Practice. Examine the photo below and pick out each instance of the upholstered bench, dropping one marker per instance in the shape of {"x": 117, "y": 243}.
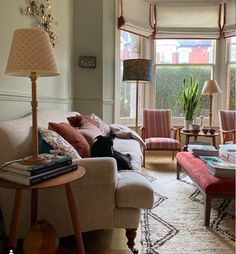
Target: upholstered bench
{"x": 209, "y": 185}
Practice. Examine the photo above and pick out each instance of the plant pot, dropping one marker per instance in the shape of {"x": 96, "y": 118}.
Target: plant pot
{"x": 187, "y": 124}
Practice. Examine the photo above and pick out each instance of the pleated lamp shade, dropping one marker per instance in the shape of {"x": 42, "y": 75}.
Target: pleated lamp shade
{"x": 31, "y": 52}
{"x": 210, "y": 87}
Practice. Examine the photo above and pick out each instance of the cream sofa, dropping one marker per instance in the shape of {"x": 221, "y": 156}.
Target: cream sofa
{"x": 105, "y": 198}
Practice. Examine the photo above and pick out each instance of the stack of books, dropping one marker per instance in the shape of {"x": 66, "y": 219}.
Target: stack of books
{"x": 219, "y": 167}
{"x": 228, "y": 151}
{"x": 28, "y": 175}
{"x": 201, "y": 150}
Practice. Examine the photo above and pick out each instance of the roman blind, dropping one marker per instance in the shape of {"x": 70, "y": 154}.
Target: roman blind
{"x": 185, "y": 19}
{"x": 230, "y": 19}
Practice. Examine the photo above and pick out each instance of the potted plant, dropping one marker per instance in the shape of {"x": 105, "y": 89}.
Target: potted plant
{"x": 189, "y": 101}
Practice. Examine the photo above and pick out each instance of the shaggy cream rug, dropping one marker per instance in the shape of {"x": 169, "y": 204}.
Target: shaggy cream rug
{"x": 175, "y": 224}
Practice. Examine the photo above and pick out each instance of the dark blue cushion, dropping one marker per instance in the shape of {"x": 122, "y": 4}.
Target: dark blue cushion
{"x": 44, "y": 147}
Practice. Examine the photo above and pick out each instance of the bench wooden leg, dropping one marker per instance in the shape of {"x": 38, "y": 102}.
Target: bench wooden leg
{"x": 207, "y": 210}
{"x": 131, "y": 234}
{"x": 178, "y": 169}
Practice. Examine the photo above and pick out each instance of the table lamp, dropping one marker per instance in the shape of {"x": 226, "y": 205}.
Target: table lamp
{"x": 31, "y": 55}
{"x": 137, "y": 70}
{"x": 210, "y": 88}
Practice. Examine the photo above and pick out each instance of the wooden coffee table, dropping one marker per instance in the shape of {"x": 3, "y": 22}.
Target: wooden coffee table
{"x": 188, "y": 135}
{"x": 65, "y": 180}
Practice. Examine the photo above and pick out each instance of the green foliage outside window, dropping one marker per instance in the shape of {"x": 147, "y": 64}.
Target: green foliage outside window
{"x": 169, "y": 87}
{"x": 232, "y": 87}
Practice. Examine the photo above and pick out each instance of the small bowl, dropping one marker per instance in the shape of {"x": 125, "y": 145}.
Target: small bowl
{"x": 212, "y": 131}
{"x": 205, "y": 130}
{"x": 195, "y": 131}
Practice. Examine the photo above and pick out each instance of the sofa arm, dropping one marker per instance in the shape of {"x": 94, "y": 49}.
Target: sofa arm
{"x": 99, "y": 171}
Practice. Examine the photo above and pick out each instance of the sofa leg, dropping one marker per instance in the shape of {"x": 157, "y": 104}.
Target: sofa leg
{"x": 131, "y": 234}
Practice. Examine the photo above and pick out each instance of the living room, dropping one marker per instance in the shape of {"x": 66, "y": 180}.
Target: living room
{"x": 89, "y": 28}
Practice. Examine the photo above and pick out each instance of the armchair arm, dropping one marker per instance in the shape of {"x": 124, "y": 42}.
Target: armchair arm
{"x": 176, "y": 131}
{"x": 99, "y": 171}
{"x": 143, "y": 133}
{"x": 226, "y": 134}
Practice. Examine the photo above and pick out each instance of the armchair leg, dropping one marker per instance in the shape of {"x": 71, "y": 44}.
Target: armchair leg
{"x": 143, "y": 157}
{"x": 131, "y": 234}
{"x": 173, "y": 155}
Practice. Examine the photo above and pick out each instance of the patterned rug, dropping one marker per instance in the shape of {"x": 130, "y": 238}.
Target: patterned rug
{"x": 175, "y": 224}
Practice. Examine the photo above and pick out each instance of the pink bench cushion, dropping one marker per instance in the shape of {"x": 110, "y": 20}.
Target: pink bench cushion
{"x": 197, "y": 170}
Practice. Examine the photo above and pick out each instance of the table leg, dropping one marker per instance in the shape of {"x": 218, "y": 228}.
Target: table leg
{"x": 214, "y": 141}
{"x": 74, "y": 217}
{"x": 186, "y": 143}
{"x": 207, "y": 210}
{"x": 34, "y": 206}
{"x": 15, "y": 220}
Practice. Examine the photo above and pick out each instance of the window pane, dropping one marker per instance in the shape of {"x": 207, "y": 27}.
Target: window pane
{"x": 130, "y": 47}
{"x": 232, "y": 86}
{"x": 233, "y": 50}
{"x": 169, "y": 86}
{"x": 184, "y": 51}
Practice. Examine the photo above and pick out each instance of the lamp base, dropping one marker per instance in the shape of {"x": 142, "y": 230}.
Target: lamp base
{"x": 31, "y": 160}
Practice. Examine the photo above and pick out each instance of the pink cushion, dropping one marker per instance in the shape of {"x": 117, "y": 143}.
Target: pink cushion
{"x": 89, "y": 131}
{"x": 197, "y": 169}
{"x": 73, "y": 136}
{"x": 162, "y": 143}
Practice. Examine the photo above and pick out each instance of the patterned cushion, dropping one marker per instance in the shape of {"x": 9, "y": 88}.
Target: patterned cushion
{"x": 73, "y": 136}
{"x": 59, "y": 143}
{"x": 162, "y": 143}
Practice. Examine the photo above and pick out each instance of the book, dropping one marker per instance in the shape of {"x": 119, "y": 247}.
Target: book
{"x": 30, "y": 180}
{"x": 198, "y": 150}
{"x": 31, "y": 170}
{"x": 219, "y": 167}
{"x": 222, "y": 169}
{"x": 228, "y": 147}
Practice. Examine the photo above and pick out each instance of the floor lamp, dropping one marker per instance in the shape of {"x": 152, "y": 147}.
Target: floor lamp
{"x": 137, "y": 70}
{"x": 31, "y": 55}
{"x": 210, "y": 88}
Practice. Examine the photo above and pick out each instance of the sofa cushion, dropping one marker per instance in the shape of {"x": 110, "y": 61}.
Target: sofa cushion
{"x": 73, "y": 136}
{"x": 104, "y": 128}
{"x": 58, "y": 143}
{"x": 77, "y": 120}
{"x": 133, "y": 190}
{"x": 122, "y": 131}
{"x": 131, "y": 147}
{"x": 89, "y": 131}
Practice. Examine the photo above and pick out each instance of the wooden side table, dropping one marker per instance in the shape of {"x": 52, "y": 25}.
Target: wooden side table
{"x": 65, "y": 180}
{"x": 188, "y": 135}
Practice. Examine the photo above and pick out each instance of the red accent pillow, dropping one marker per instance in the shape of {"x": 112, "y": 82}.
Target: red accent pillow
{"x": 78, "y": 120}
{"x": 73, "y": 136}
{"x": 89, "y": 130}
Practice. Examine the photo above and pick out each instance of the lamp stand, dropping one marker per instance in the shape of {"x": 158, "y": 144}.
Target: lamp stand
{"x": 210, "y": 113}
{"x": 35, "y": 158}
{"x": 137, "y": 102}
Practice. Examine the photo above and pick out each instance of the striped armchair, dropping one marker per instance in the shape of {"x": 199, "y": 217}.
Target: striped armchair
{"x": 227, "y": 120}
{"x": 157, "y": 131}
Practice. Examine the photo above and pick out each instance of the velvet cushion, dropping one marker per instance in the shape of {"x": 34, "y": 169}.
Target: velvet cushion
{"x": 58, "y": 143}
{"x": 89, "y": 130}
{"x": 77, "y": 120}
{"x": 44, "y": 147}
{"x": 73, "y": 136}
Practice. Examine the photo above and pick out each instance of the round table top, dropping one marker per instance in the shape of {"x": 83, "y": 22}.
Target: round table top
{"x": 51, "y": 183}
{"x": 199, "y": 134}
